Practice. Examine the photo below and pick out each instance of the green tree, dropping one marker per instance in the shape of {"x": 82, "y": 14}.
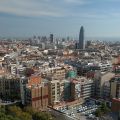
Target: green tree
{"x": 25, "y": 116}
{"x": 4, "y": 116}
{"x": 103, "y": 110}
{"x": 29, "y": 110}
{"x": 17, "y": 111}
{"x": 42, "y": 116}
{"x": 9, "y": 117}
{"x": 98, "y": 112}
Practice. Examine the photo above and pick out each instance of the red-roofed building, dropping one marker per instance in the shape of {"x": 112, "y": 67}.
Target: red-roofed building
{"x": 116, "y": 106}
{"x": 34, "y": 80}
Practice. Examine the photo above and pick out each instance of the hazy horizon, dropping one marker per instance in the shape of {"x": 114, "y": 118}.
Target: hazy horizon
{"x": 109, "y": 39}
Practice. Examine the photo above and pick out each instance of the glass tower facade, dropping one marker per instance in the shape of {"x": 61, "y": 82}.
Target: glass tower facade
{"x": 81, "y": 38}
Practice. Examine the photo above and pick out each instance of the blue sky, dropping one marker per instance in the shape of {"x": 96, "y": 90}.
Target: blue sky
{"x": 23, "y": 18}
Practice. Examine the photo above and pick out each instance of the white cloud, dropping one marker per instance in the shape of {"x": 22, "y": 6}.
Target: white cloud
{"x": 30, "y": 8}
{"x": 76, "y": 1}
{"x": 115, "y": 14}
{"x": 36, "y": 8}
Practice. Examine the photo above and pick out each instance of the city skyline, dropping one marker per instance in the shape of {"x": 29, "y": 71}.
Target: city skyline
{"x": 62, "y": 18}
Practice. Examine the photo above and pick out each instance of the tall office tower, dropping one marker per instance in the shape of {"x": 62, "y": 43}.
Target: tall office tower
{"x": 51, "y": 38}
{"x": 81, "y": 38}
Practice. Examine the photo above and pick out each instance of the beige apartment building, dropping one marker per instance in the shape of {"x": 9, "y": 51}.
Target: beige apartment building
{"x": 56, "y": 89}
{"x": 115, "y": 87}
{"x": 100, "y": 81}
{"x": 56, "y": 73}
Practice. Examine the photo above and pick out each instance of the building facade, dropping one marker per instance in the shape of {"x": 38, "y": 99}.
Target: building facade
{"x": 34, "y": 92}
{"x": 81, "y": 38}
{"x": 115, "y": 87}
{"x": 56, "y": 91}
{"x": 116, "y": 107}
{"x": 37, "y": 97}
{"x": 9, "y": 87}
{"x": 55, "y": 73}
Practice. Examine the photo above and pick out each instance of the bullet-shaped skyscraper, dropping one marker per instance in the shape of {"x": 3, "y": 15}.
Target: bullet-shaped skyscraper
{"x": 51, "y": 38}
{"x": 81, "y": 38}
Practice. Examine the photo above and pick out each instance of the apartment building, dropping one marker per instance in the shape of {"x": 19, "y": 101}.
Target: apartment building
{"x": 69, "y": 91}
{"x": 105, "y": 66}
{"x": 115, "y": 87}
{"x": 100, "y": 81}
{"x": 116, "y": 107}
{"x": 87, "y": 90}
{"x": 61, "y": 91}
{"x": 37, "y": 96}
{"x": 106, "y": 90}
{"x": 17, "y": 69}
{"x": 83, "y": 88}
{"x": 55, "y": 73}
{"x": 86, "y": 87}
{"x": 9, "y": 87}
{"x": 34, "y": 92}
{"x": 56, "y": 91}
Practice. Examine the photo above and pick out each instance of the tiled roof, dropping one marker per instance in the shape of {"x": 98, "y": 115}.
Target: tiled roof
{"x": 34, "y": 80}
